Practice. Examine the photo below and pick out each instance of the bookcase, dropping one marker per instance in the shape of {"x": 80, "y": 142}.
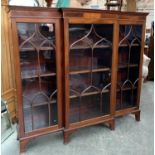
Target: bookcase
{"x": 75, "y": 68}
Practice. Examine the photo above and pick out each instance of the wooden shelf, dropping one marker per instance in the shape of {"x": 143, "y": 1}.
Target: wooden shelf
{"x": 120, "y": 66}
{"x": 34, "y": 49}
{"x": 39, "y": 75}
{"x": 29, "y": 77}
{"x": 89, "y": 71}
{"x": 88, "y": 47}
{"x": 90, "y": 93}
{"x": 126, "y": 89}
{"x": 27, "y": 106}
{"x": 97, "y": 92}
{"x": 47, "y": 74}
{"x": 126, "y": 45}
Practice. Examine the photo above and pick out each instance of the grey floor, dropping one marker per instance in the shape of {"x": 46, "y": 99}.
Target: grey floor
{"x": 129, "y": 137}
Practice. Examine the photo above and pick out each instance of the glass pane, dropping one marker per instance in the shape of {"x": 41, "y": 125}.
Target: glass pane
{"x": 102, "y": 59}
{"x": 128, "y": 65}
{"x": 123, "y": 56}
{"x": 47, "y": 62}
{"x": 105, "y": 103}
{"x": 135, "y": 55}
{"x": 38, "y": 72}
{"x": 74, "y": 114}
{"x": 90, "y": 107}
{"x": 29, "y": 64}
{"x": 80, "y": 60}
{"x": 36, "y": 118}
{"x": 101, "y": 79}
{"x": 80, "y": 82}
{"x": 90, "y": 59}
{"x": 30, "y": 87}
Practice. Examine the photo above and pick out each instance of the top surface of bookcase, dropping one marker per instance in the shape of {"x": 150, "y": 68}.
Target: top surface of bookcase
{"x": 104, "y": 11}
{"x": 19, "y": 11}
{"x": 34, "y": 12}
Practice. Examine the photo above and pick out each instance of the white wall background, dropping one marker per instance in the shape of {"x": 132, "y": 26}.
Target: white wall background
{"x": 146, "y": 6}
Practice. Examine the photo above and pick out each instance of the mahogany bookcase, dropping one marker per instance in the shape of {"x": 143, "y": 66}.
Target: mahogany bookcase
{"x": 75, "y": 68}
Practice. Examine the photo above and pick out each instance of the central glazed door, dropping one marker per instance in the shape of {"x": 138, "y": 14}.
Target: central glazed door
{"x": 88, "y": 72}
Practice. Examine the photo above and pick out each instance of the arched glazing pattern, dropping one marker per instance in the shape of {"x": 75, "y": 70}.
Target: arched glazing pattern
{"x": 38, "y": 74}
{"x": 128, "y": 65}
{"x": 90, "y": 70}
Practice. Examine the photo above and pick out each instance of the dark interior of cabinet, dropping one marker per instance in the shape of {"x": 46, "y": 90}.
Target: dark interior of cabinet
{"x": 39, "y": 103}
{"x": 128, "y": 66}
{"x": 32, "y": 86}
{"x": 99, "y": 80}
{"x": 90, "y": 59}
{"x": 40, "y": 116}
{"x": 87, "y": 107}
{"x": 84, "y": 59}
{"x": 32, "y": 67}
{"x": 38, "y": 74}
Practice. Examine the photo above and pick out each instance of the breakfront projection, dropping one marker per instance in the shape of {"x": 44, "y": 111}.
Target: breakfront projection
{"x": 90, "y": 58}
{"x": 75, "y": 68}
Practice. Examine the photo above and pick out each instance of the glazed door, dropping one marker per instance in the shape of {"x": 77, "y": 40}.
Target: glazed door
{"x": 39, "y": 70}
{"x": 129, "y": 66}
{"x": 89, "y": 73}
